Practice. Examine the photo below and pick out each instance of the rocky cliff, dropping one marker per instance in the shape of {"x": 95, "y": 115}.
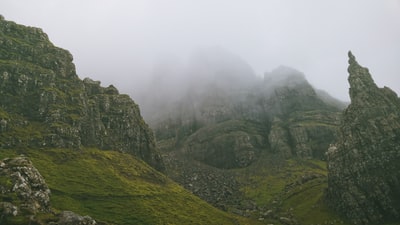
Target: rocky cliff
{"x": 364, "y": 177}
{"x": 43, "y": 103}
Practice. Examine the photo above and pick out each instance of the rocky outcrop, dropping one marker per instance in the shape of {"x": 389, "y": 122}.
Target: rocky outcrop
{"x": 363, "y": 166}
{"x": 24, "y": 193}
{"x": 43, "y": 103}
{"x": 22, "y": 182}
{"x": 70, "y": 218}
{"x": 303, "y": 134}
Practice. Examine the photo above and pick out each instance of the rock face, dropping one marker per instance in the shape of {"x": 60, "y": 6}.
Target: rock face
{"x": 364, "y": 164}
{"x": 43, "y": 103}
{"x": 24, "y": 193}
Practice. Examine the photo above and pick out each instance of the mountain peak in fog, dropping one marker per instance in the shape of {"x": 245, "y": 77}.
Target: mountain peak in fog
{"x": 220, "y": 67}
{"x": 284, "y": 76}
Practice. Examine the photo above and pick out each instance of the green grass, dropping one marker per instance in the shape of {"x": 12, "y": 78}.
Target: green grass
{"x": 277, "y": 184}
{"x": 265, "y": 179}
{"x": 117, "y": 188}
{"x": 307, "y": 203}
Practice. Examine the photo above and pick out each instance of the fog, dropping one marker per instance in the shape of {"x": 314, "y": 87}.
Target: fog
{"x": 127, "y": 43}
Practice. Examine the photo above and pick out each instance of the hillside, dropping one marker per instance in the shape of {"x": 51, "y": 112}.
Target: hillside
{"x": 90, "y": 144}
{"x": 116, "y": 188}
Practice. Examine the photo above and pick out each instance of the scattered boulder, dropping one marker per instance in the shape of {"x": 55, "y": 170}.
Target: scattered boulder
{"x": 70, "y": 218}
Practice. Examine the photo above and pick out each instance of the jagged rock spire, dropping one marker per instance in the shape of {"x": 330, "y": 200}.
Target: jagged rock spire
{"x": 360, "y": 80}
{"x": 352, "y": 58}
{"x": 363, "y": 165}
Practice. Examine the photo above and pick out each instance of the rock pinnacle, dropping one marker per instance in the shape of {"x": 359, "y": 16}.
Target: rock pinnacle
{"x": 363, "y": 165}
{"x": 360, "y": 80}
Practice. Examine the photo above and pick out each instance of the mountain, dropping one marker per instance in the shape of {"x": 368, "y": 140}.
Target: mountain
{"x": 247, "y": 145}
{"x": 363, "y": 165}
{"x": 43, "y": 103}
{"x": 244, "y": 150}
{"x": 229, "y": 128}
{"x": 70, "y": 144}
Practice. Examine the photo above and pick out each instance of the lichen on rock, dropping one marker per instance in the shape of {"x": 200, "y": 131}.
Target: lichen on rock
{"x": 22, "y": 183}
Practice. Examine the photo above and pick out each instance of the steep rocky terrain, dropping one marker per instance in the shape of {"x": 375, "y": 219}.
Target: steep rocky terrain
{"x": 43, "y": 103}
{"x": 364, "y": 163}
{"x": 214, "y": 135}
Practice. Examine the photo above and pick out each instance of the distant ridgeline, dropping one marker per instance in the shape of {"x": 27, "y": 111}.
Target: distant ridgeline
{"x": 43, "y": 103}
{"x": 364, "y": 164}
{"x": 227, "y": 123}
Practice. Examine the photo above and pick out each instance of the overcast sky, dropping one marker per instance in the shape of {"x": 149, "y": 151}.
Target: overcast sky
{"x": 118, "y": 41}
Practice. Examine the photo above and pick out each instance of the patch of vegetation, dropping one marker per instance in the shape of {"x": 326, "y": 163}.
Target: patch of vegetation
{"x": 117, "y": 188}
{"x": 290, "y": 188}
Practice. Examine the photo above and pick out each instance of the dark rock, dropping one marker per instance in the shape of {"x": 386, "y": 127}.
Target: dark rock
{"x": 363, "y": 166}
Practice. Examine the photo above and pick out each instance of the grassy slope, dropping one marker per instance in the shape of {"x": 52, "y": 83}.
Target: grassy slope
{"x": 116, "y": 188}
{"x": 276, "y": 184}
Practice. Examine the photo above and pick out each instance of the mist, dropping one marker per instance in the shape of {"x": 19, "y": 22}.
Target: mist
{"x": 132, "y": 43}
